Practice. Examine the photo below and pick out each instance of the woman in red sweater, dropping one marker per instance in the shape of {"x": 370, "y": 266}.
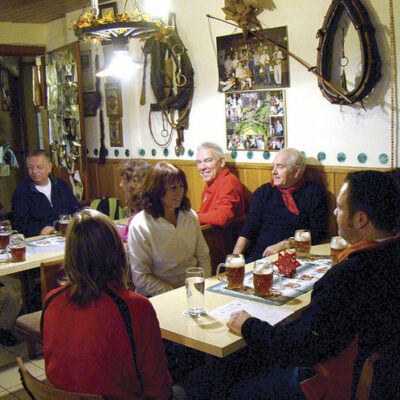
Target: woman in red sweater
{"x": 98, "y": 336}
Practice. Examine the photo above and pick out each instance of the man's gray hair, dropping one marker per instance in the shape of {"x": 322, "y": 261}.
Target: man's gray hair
{"x": 296, "y": 158}
{"x": 218, "y": 152}
{"x": 39, "y": 152}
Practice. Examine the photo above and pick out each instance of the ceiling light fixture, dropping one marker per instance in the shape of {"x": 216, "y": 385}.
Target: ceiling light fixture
{"x": 116, "y": 30}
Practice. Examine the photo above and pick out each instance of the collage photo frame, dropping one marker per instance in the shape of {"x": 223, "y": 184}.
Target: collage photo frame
{"x": 256, "y": 120}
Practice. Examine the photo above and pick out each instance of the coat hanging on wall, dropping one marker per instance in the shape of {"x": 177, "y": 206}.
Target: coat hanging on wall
{"x": 331, "y": 52}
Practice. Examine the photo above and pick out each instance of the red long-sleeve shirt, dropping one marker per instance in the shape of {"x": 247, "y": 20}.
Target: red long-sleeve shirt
{"x": 222, "y": 200}
{"x": 88, "y": 349}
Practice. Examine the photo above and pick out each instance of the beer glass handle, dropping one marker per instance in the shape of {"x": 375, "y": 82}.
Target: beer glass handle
{"x": 276, "y": 272}
{"x": 222, "y": 265}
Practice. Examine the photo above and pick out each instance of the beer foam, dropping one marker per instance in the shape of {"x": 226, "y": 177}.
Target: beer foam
{"x": 235, "y": 263}
{"x": 263, "y": 267}
{"x": 302, "y": 236}
{"x": 338, "y": 243}
{"x": 265, "y": 270}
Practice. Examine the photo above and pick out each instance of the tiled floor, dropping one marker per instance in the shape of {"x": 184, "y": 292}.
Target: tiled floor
{"x": 10, "y": 382}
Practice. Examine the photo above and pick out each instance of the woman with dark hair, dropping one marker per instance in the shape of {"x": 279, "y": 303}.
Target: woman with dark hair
{"x": 99, "y": 337}
{"x": 165, "y": 238}
{"x": 132, "y": 175}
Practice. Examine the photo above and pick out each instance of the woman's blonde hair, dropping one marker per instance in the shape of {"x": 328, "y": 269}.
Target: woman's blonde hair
{"x": 94, "y": 256}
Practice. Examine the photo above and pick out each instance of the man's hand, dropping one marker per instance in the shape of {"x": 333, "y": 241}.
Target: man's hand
{"x": 47, "y": 230}
{"x": 274, "y": 248}
{"x": 237, "y": 319}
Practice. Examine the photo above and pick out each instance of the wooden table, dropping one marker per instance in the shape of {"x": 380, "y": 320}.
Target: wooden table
{"x": 206, "y": 333}
{"x": 32, "y": 261}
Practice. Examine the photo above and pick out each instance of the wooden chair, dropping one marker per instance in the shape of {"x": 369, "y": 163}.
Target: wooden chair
{"x": 39, "y": 390}
{"x": 389, "y": 358}
{"x": 51, "y": 276}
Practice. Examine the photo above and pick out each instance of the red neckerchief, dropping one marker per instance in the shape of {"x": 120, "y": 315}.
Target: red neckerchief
{"x": 287, "y": 196}
{"x": 365, "y": 244}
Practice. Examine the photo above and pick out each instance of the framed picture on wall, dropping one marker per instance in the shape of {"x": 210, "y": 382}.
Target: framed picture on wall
{"x": 87, "y": 75}
{"x": 256, "y": 120}
{"x": 108, "y": 10}
{"x": 90, "y": 103}
{"x": 115, "y": 127}
{"x": 253, "y": 64}
{"x": 113, "y": 99}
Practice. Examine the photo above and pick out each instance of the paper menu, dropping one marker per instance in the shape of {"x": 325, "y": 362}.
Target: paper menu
{"x": 265, "y": 313}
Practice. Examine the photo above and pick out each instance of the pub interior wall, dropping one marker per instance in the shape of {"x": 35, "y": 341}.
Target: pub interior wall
{"x": 313, "y": 124}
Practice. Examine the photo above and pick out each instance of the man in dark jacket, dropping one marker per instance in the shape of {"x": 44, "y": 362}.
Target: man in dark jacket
{"x": 281, "y": 206}
{"x": 39, "y": 201}
{"x": 354, "y": 311}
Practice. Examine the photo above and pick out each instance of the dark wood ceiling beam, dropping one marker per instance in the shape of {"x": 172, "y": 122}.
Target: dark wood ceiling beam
{"x": 8, "y": 50}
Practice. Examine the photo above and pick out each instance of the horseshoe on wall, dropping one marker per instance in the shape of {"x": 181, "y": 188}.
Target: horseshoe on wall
{"x": 371, "y": 62}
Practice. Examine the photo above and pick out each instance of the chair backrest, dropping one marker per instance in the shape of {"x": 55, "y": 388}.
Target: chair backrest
{"x": 52, "y": 275}
{"x": 380, "y": 374}
{"x": 39, "y": 390}
{"x": 109, "y": 206}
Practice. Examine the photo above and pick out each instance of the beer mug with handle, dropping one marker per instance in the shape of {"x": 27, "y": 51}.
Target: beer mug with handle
{"x": 338, "y": 244}
{"x": 302, "y": 243}
{"x": 17, "y": 249}
{"x": 234, "y": 266}
{"x": 263, "y": 277}
{"x": 62, "y": 222}
{"x": 5, "y": 233}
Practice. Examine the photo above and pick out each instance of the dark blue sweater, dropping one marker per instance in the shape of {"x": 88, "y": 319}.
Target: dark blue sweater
{"x": 32, "y": 211}
{"x": 268, "y": 220}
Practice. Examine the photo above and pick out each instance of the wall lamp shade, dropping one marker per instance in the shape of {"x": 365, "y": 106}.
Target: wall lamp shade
{"x": 121, "y": 66}
{"x": 118, "y": 34}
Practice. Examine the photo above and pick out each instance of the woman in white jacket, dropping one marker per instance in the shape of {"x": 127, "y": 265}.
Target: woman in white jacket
{"x": 165, "y": 238}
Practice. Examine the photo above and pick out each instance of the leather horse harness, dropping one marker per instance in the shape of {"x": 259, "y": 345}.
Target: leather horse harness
{"x": 171, "y": 77}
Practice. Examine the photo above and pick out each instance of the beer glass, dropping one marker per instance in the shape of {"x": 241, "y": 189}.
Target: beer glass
{"x": 338, "y": 244}
{"x": 17, "y": 249}
{"x": 263, "y": 277}
{"x": 5, "y": 233}
{"x": 194, "y": 283}
{"x": 62, "y": 222}
{"x": 302, "y": 242}
{"x": 234, "y": 267}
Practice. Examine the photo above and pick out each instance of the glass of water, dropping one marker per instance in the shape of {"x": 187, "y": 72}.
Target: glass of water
{"x": 194, "y": 283}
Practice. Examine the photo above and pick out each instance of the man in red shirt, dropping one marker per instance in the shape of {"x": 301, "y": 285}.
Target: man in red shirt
{"x": 223, "y": 196}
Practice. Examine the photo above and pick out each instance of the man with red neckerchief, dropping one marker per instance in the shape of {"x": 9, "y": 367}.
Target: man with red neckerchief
{"x": 280, "y": 207}
{"x": 354, "y": 311}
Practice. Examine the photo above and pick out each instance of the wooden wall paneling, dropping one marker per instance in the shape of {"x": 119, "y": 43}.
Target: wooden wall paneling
{"x": 339, "y": 180}
{"x": 92, "y": 191}
{"x": 198, "y": 186}
{"x": 104, "y": 180}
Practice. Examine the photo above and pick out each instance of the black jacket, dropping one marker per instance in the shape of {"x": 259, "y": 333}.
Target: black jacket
{"x": 359, "y": 295}
{"x": 32, "y": 211}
